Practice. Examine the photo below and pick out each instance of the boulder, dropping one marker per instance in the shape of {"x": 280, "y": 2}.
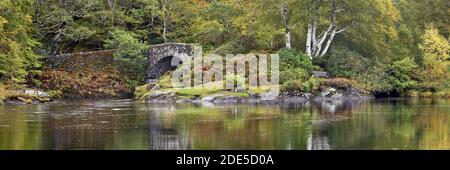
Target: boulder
{"x": 161, "y": 97}
{"x": 209, "y": 98}
{"x": 337, "y": 95}
{"x": 184, "y": 101}
{"x": 328, "y": 92}
{"x": 269, "y": 96}
{"x": 352, "y": 92}
{"x": 293, "y": 99}
{"x": 307, "y": 95}
{"x": 229, "y": 99}
{"x": 33, "y": 92}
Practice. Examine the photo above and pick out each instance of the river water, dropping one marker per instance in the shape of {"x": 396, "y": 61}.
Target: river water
{"x": 125, "y": 124}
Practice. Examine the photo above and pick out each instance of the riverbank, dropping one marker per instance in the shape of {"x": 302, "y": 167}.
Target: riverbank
{"x": 158, "y": 94}
{"x": 14, "y": 95}
{"x": 242, "y": 98}
{"x": 34, "y": 96}
{"x": 161, "y": 92}
{"x": 224, "y": 97}
{"x": 326, "y": 89}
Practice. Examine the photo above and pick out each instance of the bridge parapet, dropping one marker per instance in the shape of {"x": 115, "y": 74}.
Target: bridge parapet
{"x": 157, "y": 52}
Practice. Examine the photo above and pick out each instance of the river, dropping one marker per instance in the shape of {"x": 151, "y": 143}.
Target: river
{"x": 125, "y": 124}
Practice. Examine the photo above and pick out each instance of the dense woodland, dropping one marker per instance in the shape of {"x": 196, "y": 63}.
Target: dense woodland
{"x": 382, "y": 46}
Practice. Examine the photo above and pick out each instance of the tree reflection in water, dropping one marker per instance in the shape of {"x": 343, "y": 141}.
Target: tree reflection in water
{"x": 163, "y": 138}
{"x": 315, "y": 125}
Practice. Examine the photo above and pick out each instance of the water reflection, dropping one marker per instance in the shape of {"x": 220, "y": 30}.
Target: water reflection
{"x": 316, "y": 125}
{"x": 165, "y": 138}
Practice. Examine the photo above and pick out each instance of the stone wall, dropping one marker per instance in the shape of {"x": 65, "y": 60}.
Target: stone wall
{"x": 73, "y": 62}
{"x": 84, "y": 75}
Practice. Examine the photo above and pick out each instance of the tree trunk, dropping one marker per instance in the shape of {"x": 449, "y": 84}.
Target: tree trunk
{"x": 164, "y": 30}
{"x": 328, "y": 43}
{"x": 308, "y": 41}
{"x": 285, "y": 18}
{"x": 313, "y": 43}
{"x": 288, "y": 40}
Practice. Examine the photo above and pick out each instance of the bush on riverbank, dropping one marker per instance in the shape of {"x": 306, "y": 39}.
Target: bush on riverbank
{"x": 340, "y": 83}
{"x": 84, "y": 75}
{"x": 427, "y": 94}
{"x": 85, "y": 84}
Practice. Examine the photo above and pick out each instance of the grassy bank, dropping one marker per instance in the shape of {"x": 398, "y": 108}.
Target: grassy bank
{"x": 164, "y": 85}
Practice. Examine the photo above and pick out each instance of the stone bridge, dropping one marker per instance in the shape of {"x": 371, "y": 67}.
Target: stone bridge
{"x": 160, "y": 58}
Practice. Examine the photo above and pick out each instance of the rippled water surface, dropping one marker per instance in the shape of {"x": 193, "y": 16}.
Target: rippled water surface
{"x": 124, "y": 124}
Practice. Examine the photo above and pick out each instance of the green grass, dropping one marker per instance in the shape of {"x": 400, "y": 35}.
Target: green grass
{"x": 260, "y": 89}
{"x": 141, "y": 92}
{"x": 166, "y": 81}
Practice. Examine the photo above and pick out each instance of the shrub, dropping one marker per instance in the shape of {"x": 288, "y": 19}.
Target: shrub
{"x": 85, "y": 84}
{"x": 426, "y": 94}
{"x": 343, "y": 62}
{"x": 295, "y": 68}
{"x": 400, "y": 75}
{"x": 410, "y": 93}
{"x": 292, "y": 86}
{"x": 341, "y": 83}
{"x": 313, "y": 84}
{"x": 294, "y": 74}
{"x": 374, "y": 78}
{"x": 388, "y": 77}
{"x": 299, "y": 82}
{"x": 3, "y": 92}
{"x": 440, "y": 94}
{"x": 310, "y": 85}
{"x": 291, "y": 58}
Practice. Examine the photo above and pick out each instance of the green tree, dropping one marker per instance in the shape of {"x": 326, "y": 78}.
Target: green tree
{"x": 128, "y": 55}
{"x": 17, "y": 58}
{"x": 434, "y": 71}
{"x": 400, "y": 75}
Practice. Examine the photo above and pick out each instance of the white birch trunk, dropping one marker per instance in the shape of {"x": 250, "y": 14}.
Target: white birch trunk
{"x": 308, "y": 41}
{"x": 164, "y": 30}
{"x": 328, "y": 43}
{"x": 313, "y": 43}
{"x": 285, "y": 18}
{"x": 288, "y": 40}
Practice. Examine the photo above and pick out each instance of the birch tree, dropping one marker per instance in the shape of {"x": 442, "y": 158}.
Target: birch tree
{"x": 166, "y": 9}
{"x": 284, "y": 16}
{"x": 317, "y": 45}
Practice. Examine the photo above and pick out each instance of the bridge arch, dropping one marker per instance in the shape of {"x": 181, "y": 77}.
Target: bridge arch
{"x": 160, "y": 57}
